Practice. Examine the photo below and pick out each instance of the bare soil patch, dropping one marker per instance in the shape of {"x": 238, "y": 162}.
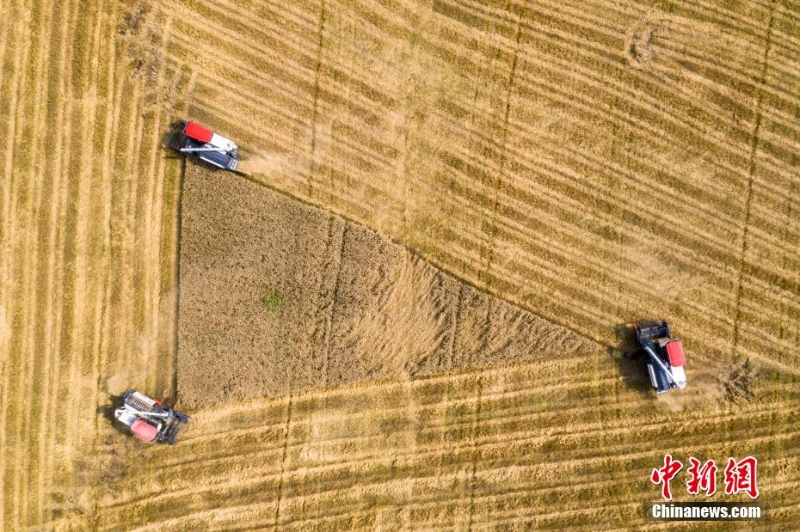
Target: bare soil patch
{"x": 278, "y": 296}
{"x": 739, "y": 382}
{"x": 642, "y": 46}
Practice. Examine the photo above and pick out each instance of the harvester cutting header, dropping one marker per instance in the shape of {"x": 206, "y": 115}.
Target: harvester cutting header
{"x": 666, "y": 358}
{"x": 200, "y": 142}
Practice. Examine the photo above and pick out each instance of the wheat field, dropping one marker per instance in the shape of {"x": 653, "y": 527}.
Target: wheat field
{"x": 591, "y": 163}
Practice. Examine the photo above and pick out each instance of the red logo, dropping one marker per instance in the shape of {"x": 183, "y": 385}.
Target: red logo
{"x": 665, "y": 474}
{"x": 740, "y": 476}
{"x": 702, "y": 478}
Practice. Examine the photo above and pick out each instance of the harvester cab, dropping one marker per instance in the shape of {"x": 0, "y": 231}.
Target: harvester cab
{"x": 666, "y": 359}
{"x": 200, "y": 142}
{"x": 148, "y": 419}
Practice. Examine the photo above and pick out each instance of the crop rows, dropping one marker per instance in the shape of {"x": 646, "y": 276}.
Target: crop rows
{"x": 85, "y": 192}
{"x": 551, "y": 443}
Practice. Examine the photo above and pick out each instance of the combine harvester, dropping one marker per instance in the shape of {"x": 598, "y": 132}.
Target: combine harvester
{"x": 148, "y": 419}
{"x": 666, "y": 357}
{"x": 204, "y": 144}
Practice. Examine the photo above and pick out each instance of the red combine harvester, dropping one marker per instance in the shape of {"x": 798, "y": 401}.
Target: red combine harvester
{"x": 148, "y": 419}
{"x": 666, "y": 359}
{"x": 202, "y": 143}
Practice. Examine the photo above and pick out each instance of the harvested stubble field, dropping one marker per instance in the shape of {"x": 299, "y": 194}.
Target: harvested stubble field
{"x": 588, "y": 162}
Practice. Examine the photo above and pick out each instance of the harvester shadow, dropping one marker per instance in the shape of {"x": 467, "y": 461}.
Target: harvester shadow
{"x": 171, "y": 139}
{"x": 630, "y": 359}
{"x": 107, "y": 411}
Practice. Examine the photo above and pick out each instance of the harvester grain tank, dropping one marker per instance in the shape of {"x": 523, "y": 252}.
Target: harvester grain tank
{"x": 200, "y": 142}
{"x": 148, "y": 419}
{"x": 666, "y": 359}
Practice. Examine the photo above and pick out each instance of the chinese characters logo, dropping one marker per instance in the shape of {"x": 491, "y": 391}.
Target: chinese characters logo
{"x": 738, "y": 476}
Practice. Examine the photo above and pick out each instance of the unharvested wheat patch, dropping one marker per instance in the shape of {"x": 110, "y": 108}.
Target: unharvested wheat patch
{"x": 376, "y": 312}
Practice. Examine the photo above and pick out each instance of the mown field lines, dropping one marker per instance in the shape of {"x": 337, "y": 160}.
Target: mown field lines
{"x": 61, "y": 205}
{"x": 530, "y": 169}
{"x": 546, "y": 437}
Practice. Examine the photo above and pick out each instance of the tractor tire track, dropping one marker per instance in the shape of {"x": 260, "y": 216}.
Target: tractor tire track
{"x": 491, "y": 228}
{"x": 29, "y": 194}
{"x": 48, "y": 351}
{"x": 317, "y": 68}
{"x": 11, "y": 362}
{"x": 284, "y": 453}
{"x": 751, "y": 177}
